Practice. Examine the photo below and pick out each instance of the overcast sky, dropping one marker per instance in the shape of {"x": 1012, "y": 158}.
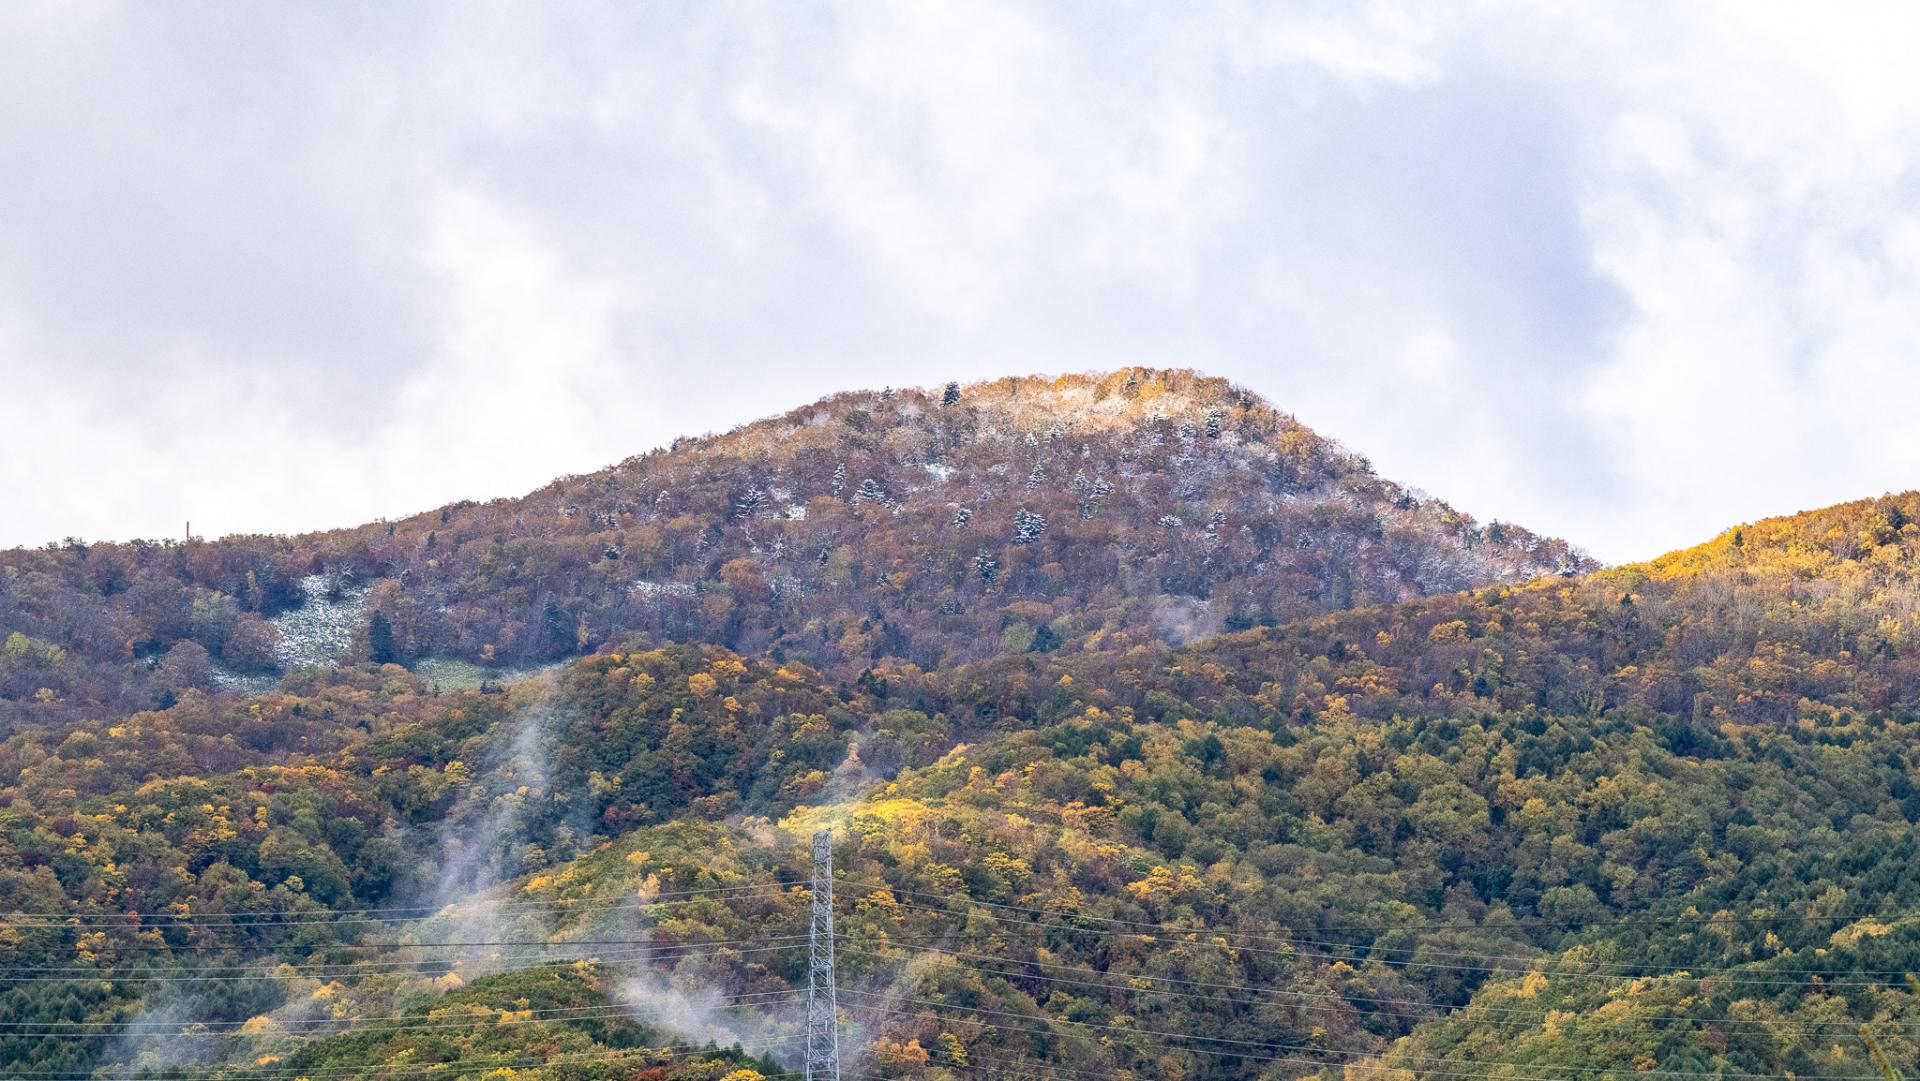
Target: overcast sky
{"x": 1627, "y": 274}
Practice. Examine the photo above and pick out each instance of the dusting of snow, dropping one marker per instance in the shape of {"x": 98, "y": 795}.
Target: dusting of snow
{"x": 225, "y": 678}
{"x": 455, "y": 674}
{"x": 319, "y": 631}
{"x": 651, "y": 589}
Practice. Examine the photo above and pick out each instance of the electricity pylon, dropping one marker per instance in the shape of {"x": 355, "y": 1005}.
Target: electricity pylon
{"x": 1879, "y": 1056}
{"x": 823, "y": 1017}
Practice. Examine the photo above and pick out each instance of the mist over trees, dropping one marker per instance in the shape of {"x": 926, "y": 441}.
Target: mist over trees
{"x": 1197, "y": 753}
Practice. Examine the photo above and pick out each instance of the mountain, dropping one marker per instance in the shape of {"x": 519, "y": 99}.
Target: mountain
{"x": 1767, "y": 623}
{"x": 939, "y": 528}
{"x": 1657, "y": 819}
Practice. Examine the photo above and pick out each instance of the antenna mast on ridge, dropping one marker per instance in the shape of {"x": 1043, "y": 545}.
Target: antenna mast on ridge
{"x": 823, "y": 1014}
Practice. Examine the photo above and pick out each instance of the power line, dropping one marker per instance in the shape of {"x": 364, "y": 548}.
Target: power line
{"x": 1530, "y": 1018}
{"x": 289, "y": 1073}
{"x": 230, "y": 947}
{"x": 425, "y": 968}
{"x": 1437, "y": 925}
{"x": 160, "y": 920}
{"x": 1185, "y": 936}
{"x": 634, "y": 952}
{"x": 695, "y": 949}
{"x": 1259, "y": 1045}
{"x": 1112, "y": 927}
{"x": 1304, "y": 1060}
{"x": 384, "y": 1024}
{"x": 769, "y": 997}
{"x": 976, "y": 1061}
{"x": 400, "y": 913}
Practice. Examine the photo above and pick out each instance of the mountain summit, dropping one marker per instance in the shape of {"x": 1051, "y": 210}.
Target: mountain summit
{"x": 933, "y": 526}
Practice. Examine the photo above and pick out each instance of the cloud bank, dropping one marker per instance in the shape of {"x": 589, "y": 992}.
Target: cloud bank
{"x": 1628, "y": 276}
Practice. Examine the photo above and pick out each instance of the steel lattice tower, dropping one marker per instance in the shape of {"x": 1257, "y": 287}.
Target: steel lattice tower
{"x": 823, "y": 1013}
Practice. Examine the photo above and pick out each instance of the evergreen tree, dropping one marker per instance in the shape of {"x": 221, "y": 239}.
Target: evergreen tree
{"x": 380, "y": 648}
{"x": 987, "y": 566}
{"x": 1027, "y": 526}
{"x": 750, "y": 504}
{"x": 558, "y": 627}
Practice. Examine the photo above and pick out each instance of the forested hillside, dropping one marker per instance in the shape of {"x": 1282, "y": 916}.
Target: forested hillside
{"x": 936, "y": 527}
{"x": 1658, "y": 819}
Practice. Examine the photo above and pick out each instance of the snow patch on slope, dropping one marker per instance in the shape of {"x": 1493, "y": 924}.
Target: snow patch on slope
{"x": 320, "y": 630}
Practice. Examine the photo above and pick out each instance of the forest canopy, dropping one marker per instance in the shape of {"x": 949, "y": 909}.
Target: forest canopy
{"x": 1448, "y": 802}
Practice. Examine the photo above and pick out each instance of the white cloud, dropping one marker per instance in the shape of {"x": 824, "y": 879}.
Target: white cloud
{"x": 1360, "y": 43}
{"x": 524, "y": 355}
{"x": 1756, "y": 206}
{"x": 1628, "y": 276}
